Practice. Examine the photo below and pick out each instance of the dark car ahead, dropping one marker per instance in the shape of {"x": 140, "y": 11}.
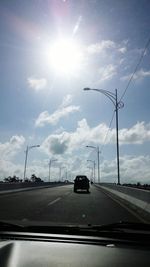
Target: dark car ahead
{"x": 81, "y": 182}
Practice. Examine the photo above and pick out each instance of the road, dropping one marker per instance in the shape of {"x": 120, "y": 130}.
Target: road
{"x": 62, "y": 205}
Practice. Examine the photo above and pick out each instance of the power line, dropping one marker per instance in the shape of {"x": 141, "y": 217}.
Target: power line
{"x": 135, "y": 70}
{"x": 108, "y": 131}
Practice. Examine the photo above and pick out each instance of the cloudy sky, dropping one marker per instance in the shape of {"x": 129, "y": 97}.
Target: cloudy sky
{"x": 49, "y": 51}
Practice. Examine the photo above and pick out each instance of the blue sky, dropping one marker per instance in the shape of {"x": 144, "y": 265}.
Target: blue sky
{"x": 42, "y": 101}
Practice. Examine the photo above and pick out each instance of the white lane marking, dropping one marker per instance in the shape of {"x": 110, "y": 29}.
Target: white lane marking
{"x": 54, "y": 201}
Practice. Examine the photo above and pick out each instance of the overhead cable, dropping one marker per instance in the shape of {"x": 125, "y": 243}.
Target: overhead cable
{"x": 136, "y": 68}
{"x": 108, "y": 131}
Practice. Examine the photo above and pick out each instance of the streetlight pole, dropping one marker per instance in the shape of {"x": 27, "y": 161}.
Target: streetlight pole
{"x": 98, "y": 161}
{"x": 49, "y": 170}
{"x": 91, "y": 168}
{"x": 26, "y": 158}
{"x": 93, "y": 161}
{"x": 59, "y": 173}
{"x": 66, "y": 174}
{"x": 117, "y": 138}
{"x": 50, "y": 163}
{"x": 118, "y": 104}
{"x": 25, "y": 164}
{"x": 60, "y": 168}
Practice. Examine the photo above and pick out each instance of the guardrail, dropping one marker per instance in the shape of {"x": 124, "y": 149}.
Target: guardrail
{"x": 137, "y": 199}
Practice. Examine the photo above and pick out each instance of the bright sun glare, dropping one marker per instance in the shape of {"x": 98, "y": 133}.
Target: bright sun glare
{"x": 65, "y": 56}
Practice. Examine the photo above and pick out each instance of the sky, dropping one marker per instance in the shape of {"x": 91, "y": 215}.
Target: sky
{"x": 49, "y": 51}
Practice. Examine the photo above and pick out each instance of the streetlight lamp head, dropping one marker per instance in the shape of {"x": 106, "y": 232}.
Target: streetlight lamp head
{"x": 86, "y": 89}
{"x": 92, "y": 147}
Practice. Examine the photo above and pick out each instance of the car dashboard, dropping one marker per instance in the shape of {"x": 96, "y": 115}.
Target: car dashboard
{"x": 19, "y": 249}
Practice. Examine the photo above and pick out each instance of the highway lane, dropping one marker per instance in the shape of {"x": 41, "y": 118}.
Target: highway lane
{"x": 62, "y": 205}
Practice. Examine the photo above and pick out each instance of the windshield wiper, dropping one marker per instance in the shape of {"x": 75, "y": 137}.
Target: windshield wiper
{"x": 118, "y": 227}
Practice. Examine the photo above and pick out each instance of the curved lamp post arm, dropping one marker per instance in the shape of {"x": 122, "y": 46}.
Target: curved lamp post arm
{"x": 118, "y": 104}
{"x": 109, "y": 94}
{"x": 26, "y": 157}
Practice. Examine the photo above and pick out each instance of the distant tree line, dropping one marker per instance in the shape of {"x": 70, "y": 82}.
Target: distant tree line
{"x": 35, "y": 179}
{"x": 12, "y": 179}
{"x": 15, "y": 179}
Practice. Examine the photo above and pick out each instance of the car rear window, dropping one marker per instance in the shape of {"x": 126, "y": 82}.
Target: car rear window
{"x": 79, "y": 178}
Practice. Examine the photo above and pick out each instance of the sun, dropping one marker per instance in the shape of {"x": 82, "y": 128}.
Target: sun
{"x": 65, "y": 56}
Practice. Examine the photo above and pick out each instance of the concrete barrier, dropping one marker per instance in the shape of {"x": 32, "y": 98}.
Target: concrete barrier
{"x": 136, "y": 199}
{"x": 17, "y": 187}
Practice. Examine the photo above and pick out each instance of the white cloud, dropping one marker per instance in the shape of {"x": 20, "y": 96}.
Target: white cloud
{"x": 133, "y": 169}
{"x": 139, "y": 75}
{"x": 66, "y": 142}
{"x": 106, "y": 73}
{"x": 56, "y": 143}
{"x": 123, "y": 50}
{"x": 63, "y": 144}
{"x": 69, "y": 141}
{"x": 104, "y": 45}
{"x": 101, "y": 46}
{"x": 37, "y": 84}
{"x": 11, "y": 147}
{"x": 137, "y": 134}
{"x": 84, "y": 134}
{"x": 109, "y": 55}
{"x": 67, "y": 100}
{"x": 64, "y": 110}
{"x": 8, "y": 168}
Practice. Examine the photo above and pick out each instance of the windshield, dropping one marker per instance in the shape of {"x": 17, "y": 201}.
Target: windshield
{"x": 75, "y": 79}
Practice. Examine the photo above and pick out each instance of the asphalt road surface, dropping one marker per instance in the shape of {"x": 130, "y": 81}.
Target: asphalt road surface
{"x": 62, "y": 205}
